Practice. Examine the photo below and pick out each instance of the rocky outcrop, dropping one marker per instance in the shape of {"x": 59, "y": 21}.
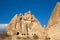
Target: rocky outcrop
{"x": 54, "y": 24}
{"x": 55, "y": 17}
{"x": 12, "y": 26}
{"x": 27, "y": 27}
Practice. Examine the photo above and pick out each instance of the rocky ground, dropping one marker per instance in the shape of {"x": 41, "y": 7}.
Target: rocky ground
{"x": 4, "y": 36}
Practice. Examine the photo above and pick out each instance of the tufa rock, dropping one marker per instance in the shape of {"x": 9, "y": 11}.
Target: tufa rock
{"x": 24, "y": 26}
{"x": 27, "y": 27}
{"x": 54, "y": 24}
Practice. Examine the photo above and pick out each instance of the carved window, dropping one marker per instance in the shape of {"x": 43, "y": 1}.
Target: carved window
{"x": 17, "y": 33}
{"x": 23, "y": 34}
{"x": 20, "y": 18}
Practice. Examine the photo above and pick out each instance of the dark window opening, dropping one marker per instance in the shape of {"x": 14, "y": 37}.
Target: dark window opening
{"x": 23, "y": 34}
{"x": 21, "y": 18}
{"x": 17, "y": 33}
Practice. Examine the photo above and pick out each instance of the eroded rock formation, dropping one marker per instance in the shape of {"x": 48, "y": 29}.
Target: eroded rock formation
{"x": 28, "y": 27}
{"x": 25, "y": 26}
{"x": 54, "y": 24}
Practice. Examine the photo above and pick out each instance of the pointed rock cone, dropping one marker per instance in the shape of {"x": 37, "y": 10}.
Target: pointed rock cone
{"x": 45, "y": 28}
{"x": 55, "y": 17}
{"x": 24, "y": 26}
{"x": 14, "y": 19}
{"x": 20, "y": 17}
{"x": 19, "y": 23}
{"x": 54, "y": 24}
{"x": 28, "y": 13}
{"x": 12, "y": 25}
{"x": 20, "y": 14}
{"x": 27, "y": 16}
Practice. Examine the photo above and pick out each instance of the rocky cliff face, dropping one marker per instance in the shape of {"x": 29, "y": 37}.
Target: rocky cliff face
{"x": 28, "y": 27}
{"x": 25, "y": 26}
{"x": 54, "y": 24}
{"x": 55, "y": 17}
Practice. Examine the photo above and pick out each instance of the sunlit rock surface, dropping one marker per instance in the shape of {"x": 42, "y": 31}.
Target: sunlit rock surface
{"x": 54, "y": 24}
{"x": 27, "y": 27}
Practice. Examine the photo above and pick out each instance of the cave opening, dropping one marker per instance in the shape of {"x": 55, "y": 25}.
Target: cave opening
{"x": 17, "y": 33}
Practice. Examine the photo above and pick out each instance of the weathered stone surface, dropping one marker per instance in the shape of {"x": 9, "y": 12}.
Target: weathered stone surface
{"x": 27, "y": 27}
{"x": 12, "y": 26}
{"x": 55, "y": 17}
{"x": 54, "y": 24}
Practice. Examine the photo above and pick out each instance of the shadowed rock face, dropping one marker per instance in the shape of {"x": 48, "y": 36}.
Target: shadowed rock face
{"x": 27, "y": 27}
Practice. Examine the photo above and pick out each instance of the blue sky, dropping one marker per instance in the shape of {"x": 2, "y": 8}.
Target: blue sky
{"x": 42, "y": 9}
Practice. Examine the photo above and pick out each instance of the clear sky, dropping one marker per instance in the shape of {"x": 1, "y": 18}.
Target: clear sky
{"x": 42, "y": 9}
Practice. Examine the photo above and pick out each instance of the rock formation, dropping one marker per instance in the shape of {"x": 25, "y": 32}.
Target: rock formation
{"x": 25, "y": 26}
{"x": 55, "y": 17}
{"x": 54, "y": 24}
{"x": 28, "y": 27}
